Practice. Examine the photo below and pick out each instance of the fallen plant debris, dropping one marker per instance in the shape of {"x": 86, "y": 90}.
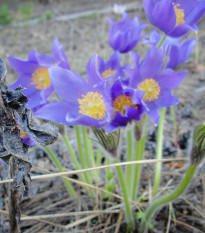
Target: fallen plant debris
{"x": 12, "y": 149}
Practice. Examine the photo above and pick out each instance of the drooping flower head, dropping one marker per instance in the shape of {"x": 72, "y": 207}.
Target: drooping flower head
{"x": 175, "y": 17}
{"x": 106, "y": 71}
{"x": 156, "y": 84}
{"x": 127, "y": 104}
{"x": 34, "y": 76}
{"x": 178, "y": 53}
{"x": 82, "y": 103}
{"x": 124, "y": 35}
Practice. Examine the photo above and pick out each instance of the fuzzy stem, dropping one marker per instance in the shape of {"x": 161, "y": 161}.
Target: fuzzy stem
{"x": 159, "y": 152}
{"x": 60, "y": 168}
{"x": 168, "y": 198}
{"x": 81, "y": 157}
{"x": 98, "y": 161}
{"x": 128, "y": 210}
{"x": 129, "y": 158}
{"x": 70, "y": 150}
{"x": 161, "y": 41}
{"x": 92, "y": 158}
{"x": 87, "y": 157}
{"x": 172, "y": 111}
{"x": 85, "y": 136}
{"x": 139, "y": 151}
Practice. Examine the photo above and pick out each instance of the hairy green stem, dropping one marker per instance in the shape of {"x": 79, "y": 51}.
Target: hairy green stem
{"x": 73, "y": 156}
{"x": 81, "y": 157}
{"x": 161, "y": 41}
{"x": 85, "y": 139}
{"x": 98, "y": 161}
{"x": 168, "y": 198}
{"x": 92, "y": 158}
{"x": 129, "y": 158}
{"x": 159, "y": 152}
{"x": 60, "y": 168}
{"x": 128, "y": 210}
{"x": 139, "y": 151}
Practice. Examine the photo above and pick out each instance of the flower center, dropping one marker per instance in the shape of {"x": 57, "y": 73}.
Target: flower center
{"x": 23, "y": 134}
{"x": 92, "y": 105}
{"x": 108, "y": 73}
{"x": 41, "y": 78}
{"x": 151, "y": 89}
{"x": 179, "y": 14}
{"x": 123, "y": 101}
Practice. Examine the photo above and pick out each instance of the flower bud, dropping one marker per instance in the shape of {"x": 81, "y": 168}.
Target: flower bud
{"x": 108, "y": 141}
{"x": 198, "y": 151}
{"x": 139, "y": 128}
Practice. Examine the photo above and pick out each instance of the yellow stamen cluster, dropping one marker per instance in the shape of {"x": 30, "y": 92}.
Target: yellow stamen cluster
{"x": 108, "y": 73}
{"x": 151, "y": 89}
{"x": 23, "y": 134}
{"x": 121, "y": 102}
{"x": 92, "y": 104}
{"x": 41, "y": 78}
{"x": 179, "y": 14}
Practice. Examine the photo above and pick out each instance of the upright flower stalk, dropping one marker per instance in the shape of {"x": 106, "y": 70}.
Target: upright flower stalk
{"x": 168, "y": 198}
{"x": 60, "y": 168}
{"x": 197, "y": 156}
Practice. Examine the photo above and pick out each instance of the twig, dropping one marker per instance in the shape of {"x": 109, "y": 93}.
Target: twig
{"x": 148, "y": 161}
{"x": 94, "y": 187}
{"x": 119, "y": 220}
{"x": 169, "y": 219}
{"x": 187, "y": 225}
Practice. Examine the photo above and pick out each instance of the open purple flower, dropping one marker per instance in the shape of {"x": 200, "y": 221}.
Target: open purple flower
{"x": 178, "y": 53}
{"x": 127, "y": 104}
{"x": 175, "y": 17}
{"x": 81, "y": 102}
{"x": 34, "y": 76}
{"x": 106, "y": 71}
{"x": 124, "y": 35}
{"x": 157, "y": 85}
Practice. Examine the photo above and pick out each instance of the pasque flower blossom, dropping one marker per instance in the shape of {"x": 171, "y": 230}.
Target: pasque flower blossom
{"x": 81, "y": 102}
{"x": 177, "y": 53}
{"x": 175, "y": 17}
{"x": 124, "y": 35}
{"x": 34, "y": 76}
{"x": 156, "y": 84}
{"x": 127, "y": 104}
{"x": 108, "y": 71}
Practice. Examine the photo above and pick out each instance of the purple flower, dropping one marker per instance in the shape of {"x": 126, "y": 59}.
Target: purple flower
{"x": 81, "y": 102}
{"x": 27, "y": 139}
{"x": 175, "y": 17}
{"x": 127, "y": 104}
{"x": 102, "y": 71}
{"x": 178, "y": 53}
{"x": 34, "y": 76}
{"x": 124, "y": 35}
{"x": 157, "y": 85}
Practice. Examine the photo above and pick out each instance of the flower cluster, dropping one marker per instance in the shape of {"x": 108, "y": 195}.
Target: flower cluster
{"x": 115, "y": 94}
